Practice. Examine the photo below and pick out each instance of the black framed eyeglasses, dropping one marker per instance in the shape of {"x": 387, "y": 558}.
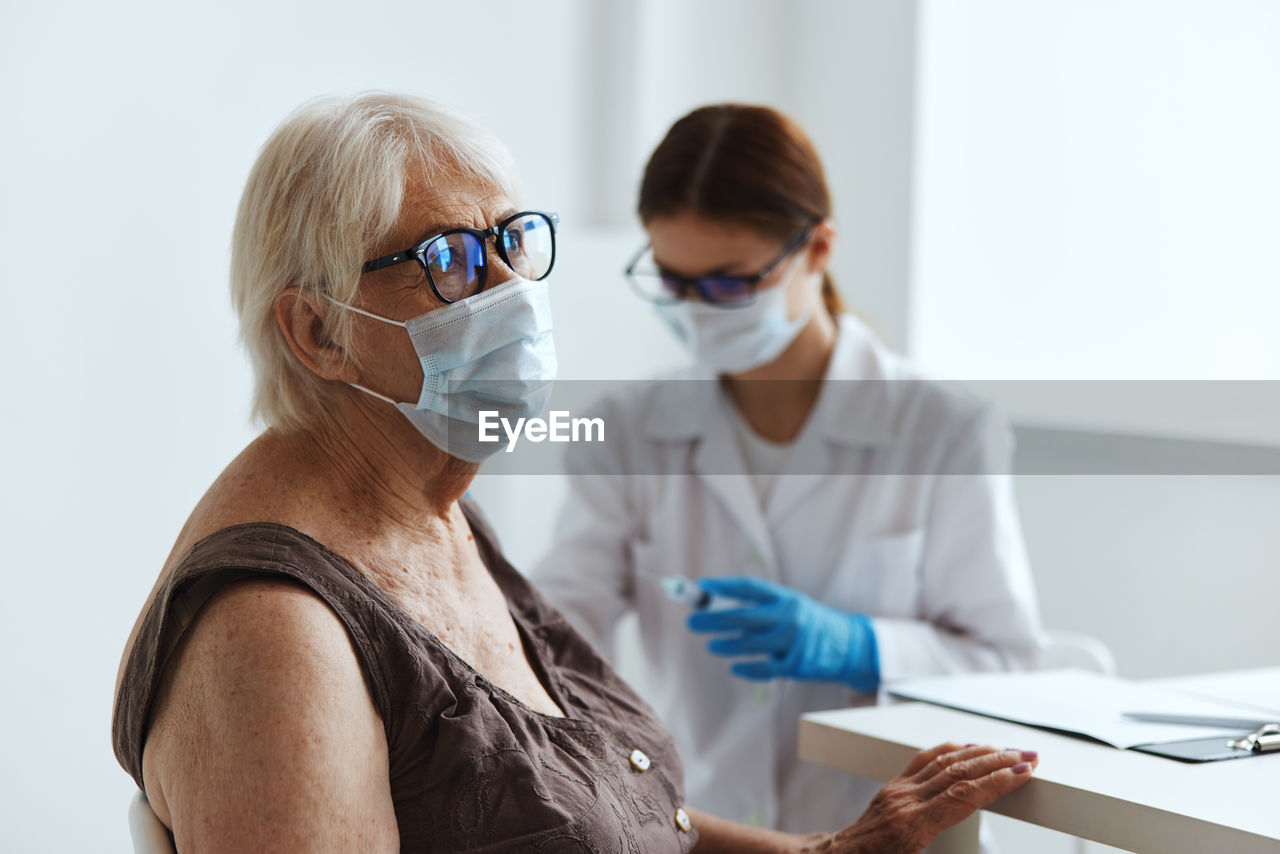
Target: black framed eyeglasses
{"x": 457, "y": 263}
{"x": 656, "y": 284}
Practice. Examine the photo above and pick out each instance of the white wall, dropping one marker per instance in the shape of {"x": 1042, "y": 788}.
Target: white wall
{"x": 1097, "y": 192}
{"x": 1165, "y": 568}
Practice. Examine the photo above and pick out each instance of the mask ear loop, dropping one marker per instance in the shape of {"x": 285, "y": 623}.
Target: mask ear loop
{"x": 792, "y": 277}
{"x": 399, "y": 323}
{"x": 373, "y": 393}
{"x": 350, "y": 307}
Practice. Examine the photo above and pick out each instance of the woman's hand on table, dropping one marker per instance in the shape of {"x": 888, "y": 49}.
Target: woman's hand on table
{"x": 941, "y": 787}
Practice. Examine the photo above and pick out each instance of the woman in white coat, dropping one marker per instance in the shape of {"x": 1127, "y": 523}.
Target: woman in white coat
{"x": 855, "y": 521}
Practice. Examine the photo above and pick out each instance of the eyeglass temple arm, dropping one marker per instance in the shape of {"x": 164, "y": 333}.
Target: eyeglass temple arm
{"x": 386, "y": 261}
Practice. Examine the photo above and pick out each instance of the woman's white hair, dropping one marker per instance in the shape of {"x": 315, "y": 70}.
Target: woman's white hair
{"x": 325, "y": 190}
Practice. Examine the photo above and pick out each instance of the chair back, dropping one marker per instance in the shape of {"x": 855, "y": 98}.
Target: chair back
{"x": 1074, "y": 649}
{"x": 149, "y": 835}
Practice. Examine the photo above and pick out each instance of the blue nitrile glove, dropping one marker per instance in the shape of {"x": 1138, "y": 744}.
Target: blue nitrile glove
{"x": 799, "y": 638}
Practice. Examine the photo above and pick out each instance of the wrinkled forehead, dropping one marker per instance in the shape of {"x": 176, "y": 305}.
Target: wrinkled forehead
{"x": 441, "y": 200}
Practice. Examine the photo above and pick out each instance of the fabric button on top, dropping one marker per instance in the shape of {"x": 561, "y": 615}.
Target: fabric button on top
{"x": 682, "y": 821}
{"x": 639, "y": 761}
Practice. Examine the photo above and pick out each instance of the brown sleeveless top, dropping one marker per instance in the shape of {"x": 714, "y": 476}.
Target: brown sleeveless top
{"x": 472, "y": 768}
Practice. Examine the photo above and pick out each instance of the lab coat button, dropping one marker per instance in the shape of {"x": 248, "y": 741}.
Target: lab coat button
{"x": 639, "y": 761}
{"x": 682, "y": 821}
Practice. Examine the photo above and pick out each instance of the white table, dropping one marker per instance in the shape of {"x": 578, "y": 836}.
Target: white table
{"x": 1118, "y": 797}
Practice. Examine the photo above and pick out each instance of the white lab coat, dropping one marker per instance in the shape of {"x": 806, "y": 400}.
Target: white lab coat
{"x": 936, "y": 560}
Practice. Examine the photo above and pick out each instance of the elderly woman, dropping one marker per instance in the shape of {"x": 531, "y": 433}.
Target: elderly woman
{"x": 336, "y": 656}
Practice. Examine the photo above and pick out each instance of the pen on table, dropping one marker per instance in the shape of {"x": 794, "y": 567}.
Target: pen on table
{"x": 1199, "y": 720}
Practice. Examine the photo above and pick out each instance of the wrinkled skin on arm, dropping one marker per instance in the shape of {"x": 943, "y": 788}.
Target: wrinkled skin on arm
{"x": 264, "y": 736}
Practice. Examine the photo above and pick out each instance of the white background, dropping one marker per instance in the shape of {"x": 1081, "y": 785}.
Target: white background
{"x": 1097, "y": 192}
{"x": 1040, "y": 189}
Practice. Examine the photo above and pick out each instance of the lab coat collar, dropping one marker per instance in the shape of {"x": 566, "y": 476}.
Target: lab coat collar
{"x": 854, "y": 409}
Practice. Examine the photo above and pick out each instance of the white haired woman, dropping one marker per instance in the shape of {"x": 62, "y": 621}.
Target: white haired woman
{"x": 335, "y": 655}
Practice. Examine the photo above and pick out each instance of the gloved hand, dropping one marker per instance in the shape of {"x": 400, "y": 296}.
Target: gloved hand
{"x": 799, "y": 637}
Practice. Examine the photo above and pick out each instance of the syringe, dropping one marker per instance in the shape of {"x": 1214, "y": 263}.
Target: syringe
{"x": 682, "y": 590}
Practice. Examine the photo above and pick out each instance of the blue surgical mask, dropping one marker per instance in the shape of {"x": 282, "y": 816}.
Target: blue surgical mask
{"x": 493, "y": 352}
{"x": 735, "y": 340}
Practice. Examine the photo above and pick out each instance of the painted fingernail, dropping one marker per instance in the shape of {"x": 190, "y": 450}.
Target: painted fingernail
{"x": 971, "y": 745}
{"x": 1022, "y": 768}
{"x": 1029, "y": 755}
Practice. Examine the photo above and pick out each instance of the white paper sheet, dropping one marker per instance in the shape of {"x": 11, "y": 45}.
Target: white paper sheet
{"x": 1075, "y": 701}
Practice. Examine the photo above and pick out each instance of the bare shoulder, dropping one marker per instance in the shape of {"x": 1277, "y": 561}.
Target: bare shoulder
{"x": 264, "y": 736}
{"x": 259, "y": 485}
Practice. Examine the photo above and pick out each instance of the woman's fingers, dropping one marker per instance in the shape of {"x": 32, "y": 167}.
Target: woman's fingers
{"x": 750, "y": 618}
{"x": 1004, "y": 781}
{"x": 924, "y": 757}
{"x": 954, "y": 785}
{"x": 740, "y": 587}
{"x": 974, "y": 781}
{"x": 748, "y": 644}
{"x": 939, "y": 788}
{"x": 945, "y": 759}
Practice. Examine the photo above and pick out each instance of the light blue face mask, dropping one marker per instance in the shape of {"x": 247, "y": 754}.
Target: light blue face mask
{"x": 493, "y": 352}
{"x": 736, "y": 340}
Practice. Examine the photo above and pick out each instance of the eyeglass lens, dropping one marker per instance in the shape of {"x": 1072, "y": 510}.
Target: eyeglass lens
{"x": 709, "y": 288}
{"x": 655, "y": 284}
{"x": 456, "y": 261}
{"x": 528, "y": 244}
{"x": 726, "y": 289}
